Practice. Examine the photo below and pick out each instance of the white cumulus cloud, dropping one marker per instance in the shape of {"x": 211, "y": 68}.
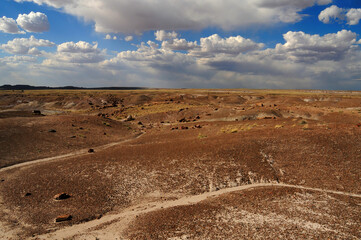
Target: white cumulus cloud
{"x": 302, "y": 47}
{"x": 330, "y": 61}
{"x": 80, "y": 52}
{"x": 162, "y": 35}
{"x": 26, "y": 45}
{"x": 233, "y": 45}
{"x": 128, "y": 38}
{"x": 8, "y": 25}
{"x": 179, "y": 45}
{"x": 109, "y": 37}
{"x": 332, "y": 12}
{"x": 79, "y": 47}
{"x": 33, "y": 22}
{"x": 142, "y": 15}
{"x": 352, "y": 15}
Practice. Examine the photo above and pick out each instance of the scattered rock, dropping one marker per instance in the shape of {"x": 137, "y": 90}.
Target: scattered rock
{"x": 52, "y": 130}
{"x": 183, "y": 120}
{"x": 130, "y": 118}
{"x": 140, "y": 123}
{"x": 61, "y": 196}
{"x": 27, "y": 194}
{"x": 184, "y": 127}
{"x": 198, "y": 117}
{"x": 98, "y": 216}
{"x": 358, "y": 125}
{"x": 198, "y": 126}
{"x": 105, "y": 133}
{"x": 63, "y": 218}
{"x": 90, "y": 150}
{"x": 2, "y": 180}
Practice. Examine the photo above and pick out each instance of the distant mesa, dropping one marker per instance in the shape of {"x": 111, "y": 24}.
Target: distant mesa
{"x": 29, "y": 87}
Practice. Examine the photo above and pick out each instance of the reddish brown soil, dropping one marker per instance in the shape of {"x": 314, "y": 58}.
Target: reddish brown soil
{"x": 228, "y": 139}
{"x": 28, "y": 138}
{"x": 255, "y": 214}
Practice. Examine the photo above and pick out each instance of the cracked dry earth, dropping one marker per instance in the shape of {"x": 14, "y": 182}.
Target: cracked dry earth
{"x": 190, "y": 164}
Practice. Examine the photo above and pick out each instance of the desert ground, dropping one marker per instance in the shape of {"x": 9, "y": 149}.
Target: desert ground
{"x": 180, "y": 164}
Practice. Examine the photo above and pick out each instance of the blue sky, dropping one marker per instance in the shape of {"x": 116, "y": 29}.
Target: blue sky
{"x": 308, "y": 44}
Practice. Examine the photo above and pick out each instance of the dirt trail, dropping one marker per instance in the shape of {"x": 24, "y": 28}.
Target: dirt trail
{"x": 68, "y": 155}
{"x": 110, "y": 226}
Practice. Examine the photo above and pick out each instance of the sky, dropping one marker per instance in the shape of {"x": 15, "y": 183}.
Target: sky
{"x": 275, "y": 44}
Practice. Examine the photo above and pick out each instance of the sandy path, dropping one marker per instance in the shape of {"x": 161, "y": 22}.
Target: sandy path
{"x": 68, "y": 155}
{"x": 110, "y": 226}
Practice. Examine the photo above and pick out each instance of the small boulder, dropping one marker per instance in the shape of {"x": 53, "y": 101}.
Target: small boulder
{"x": 52, "y": 130}
{"x": 37, "y": 112}
{"x": 27, "y": 194}
{"x": 184, "y": 128}
{"x": 63, "y": 218}
{"x": 130, "y": 118}
{"x": 90, "y": 150}
{"x": 61, "y": 196}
